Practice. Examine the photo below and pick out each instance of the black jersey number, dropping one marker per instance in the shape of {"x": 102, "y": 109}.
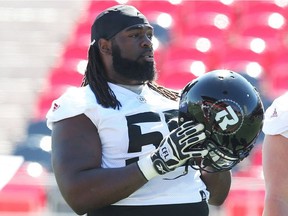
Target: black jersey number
{"x": 137, "y": 140}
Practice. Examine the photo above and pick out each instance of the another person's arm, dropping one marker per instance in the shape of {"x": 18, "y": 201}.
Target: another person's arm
{"x": 275, "y": 148}
{"x": 76, "y": 158}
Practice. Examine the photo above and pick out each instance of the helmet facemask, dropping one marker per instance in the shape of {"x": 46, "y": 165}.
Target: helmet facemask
{"x": 218, "y": 158}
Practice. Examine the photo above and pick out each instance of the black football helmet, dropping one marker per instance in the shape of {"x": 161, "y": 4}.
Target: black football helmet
{"x": 232, "y": 112}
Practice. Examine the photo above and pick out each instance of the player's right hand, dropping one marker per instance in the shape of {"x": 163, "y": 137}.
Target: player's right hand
{"x": 173, "y": 151}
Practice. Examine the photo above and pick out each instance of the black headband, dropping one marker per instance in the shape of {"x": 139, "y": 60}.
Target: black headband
{"x": 115, "y": 19}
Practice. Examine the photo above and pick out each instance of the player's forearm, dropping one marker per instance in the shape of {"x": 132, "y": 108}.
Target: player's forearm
{"x": 96, "y": 188}
{"x": 218, "y": 184}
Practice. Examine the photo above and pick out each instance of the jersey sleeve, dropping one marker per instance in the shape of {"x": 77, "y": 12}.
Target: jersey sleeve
{"x": 75, "y": 101}
{"x": 276, "y": 117}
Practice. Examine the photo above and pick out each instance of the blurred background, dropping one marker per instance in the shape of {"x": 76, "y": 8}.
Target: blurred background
{"x": 43, "y": 50}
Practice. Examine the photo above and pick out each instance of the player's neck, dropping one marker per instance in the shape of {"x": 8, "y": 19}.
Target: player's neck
{"x": 134, "y": 88}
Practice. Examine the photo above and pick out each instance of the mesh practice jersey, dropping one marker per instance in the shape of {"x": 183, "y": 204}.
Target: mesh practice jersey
{"x": 276, "y": 117}
{"x": 131, "y": 133}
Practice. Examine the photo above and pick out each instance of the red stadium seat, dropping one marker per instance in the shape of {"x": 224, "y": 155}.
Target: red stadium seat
{"x": 83, "y": 29}
{"x": 24, "y": 194}
{"x": 211, "y": 32}
{"x": 256, "y": 155}
{"x": 100, "y": 5}
{"x": 254, "y": 7}
{"x": 158, "y": 12}
{"x": 278, "y": 63}
{"x": 179, "y": 53}
{"x": 63, "y": 77}
{"x": 81, "y": 33}
{"x": 206, "y": 6}
{"x": 158, "y": 6}
{"x": 182, "y": 65}
{"x": 177, "y": 80}
{"x": 203, "y": 25}
{"x": 176, "y": 75}
{"x": 94, "y": 8}
{"x": 197, "y": 14}
{"x": 273, "y": 38}
{"x": 74, "y": 65}
{"x": 246, "y": 197}
{"x": 214, "y": 47}
{"x": 278, "y": 76}
{"x": 266, "y": 25}
{"x": 75, "y": 51}
{"x": 253, "y": 47}
{"x": 273, "y": 19}
{"x": 239, "y": 59}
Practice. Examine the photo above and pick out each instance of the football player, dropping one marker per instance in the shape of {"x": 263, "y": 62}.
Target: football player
{"x": 275, "y": 148}
{"x": 117, "y": 148}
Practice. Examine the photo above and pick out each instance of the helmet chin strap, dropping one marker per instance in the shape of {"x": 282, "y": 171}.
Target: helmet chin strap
{"x": 210, "y": 158}
{"x": 202, "y": 167}
{"x": 199, "y": 153}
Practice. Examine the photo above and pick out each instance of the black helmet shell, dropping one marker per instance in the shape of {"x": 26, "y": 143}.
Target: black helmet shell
{"x": 229, "y": 107}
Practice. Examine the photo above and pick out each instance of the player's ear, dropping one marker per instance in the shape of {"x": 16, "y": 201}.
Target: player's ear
{"x": 104, "y": 46}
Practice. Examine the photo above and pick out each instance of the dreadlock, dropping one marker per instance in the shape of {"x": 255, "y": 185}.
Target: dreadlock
{"x": 168, "y": 93}
{"x": 95, "y": 77}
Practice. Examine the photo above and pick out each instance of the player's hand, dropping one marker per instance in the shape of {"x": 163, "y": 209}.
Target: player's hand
{"x": 174, "y": 150}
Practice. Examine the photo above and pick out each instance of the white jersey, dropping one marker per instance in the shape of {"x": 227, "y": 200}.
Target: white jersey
{"x": 276, "y": 117}
{"x": 131, "y": 133}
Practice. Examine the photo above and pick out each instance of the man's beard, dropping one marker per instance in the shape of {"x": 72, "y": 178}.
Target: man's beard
{"x": 130, "y": 69}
